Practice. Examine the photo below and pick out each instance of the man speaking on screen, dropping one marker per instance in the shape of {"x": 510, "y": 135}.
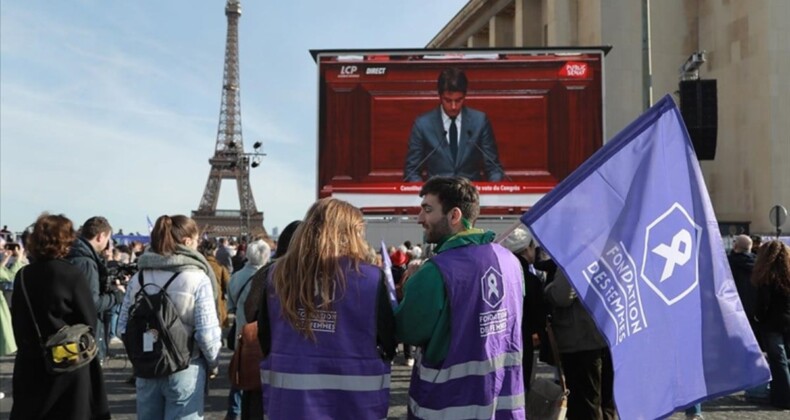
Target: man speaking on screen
{"x": 452, "y": 139}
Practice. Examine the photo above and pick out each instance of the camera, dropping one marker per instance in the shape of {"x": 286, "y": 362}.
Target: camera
{"x": 122, "y": 272}
{"x": 11, "y": 246}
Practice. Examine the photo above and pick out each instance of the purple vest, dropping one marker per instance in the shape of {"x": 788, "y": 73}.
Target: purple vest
{"x": 481, "y": 378}
{"x": 341, "y": 374}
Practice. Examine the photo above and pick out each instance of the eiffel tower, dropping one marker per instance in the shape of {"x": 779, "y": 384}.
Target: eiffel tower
{"x": 229, "y": 160}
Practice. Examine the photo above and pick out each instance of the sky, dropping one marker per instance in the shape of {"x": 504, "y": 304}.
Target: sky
{"x": 112, "y": 108}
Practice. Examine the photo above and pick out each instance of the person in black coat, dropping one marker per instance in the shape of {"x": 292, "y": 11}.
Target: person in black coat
{"x": 520, "y": 243}
{"x": 741, "y": 262}
{"x": 59, "y": 295}
{"x": 84, "y": 254}
{"x": 771, "y": 276}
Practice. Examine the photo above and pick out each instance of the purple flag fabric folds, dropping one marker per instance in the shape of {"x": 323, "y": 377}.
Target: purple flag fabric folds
{"x": 634, "y": 230}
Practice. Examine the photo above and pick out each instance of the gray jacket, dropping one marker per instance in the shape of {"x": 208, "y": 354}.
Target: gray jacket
{"x": 573, "y": 327}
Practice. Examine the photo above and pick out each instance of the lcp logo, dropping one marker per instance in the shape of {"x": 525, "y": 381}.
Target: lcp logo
{"x": 670, "y": 262}
{"x": 348, "y": 71}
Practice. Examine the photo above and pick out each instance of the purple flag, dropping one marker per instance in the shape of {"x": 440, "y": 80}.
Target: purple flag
{"x": 385, "y": 256}
{"x": 634, "y": 230}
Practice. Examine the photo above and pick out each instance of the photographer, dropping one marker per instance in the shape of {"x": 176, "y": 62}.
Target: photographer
{"x": 94, "y": 238}
{"x": 119, "y": 272}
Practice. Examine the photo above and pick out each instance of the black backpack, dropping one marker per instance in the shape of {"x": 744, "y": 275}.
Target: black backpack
{"x": 156, "y": 340}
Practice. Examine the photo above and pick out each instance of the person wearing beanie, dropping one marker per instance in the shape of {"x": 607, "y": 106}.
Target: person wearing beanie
{"x": 415, "y": 252}
{"x": 520, "y": 243}
{"x": 399, "y": 258}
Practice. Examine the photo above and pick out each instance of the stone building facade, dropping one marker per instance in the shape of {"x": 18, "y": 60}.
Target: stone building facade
{"x": 747, "y": 45}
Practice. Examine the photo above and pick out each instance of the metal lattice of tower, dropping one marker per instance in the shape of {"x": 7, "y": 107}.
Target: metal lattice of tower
{"x": 229, "y": 160}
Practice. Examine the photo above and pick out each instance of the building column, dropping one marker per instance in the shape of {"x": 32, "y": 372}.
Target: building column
{"x": 478, "y": 40}
{"x": 562, "y": 22}
{"x": 500, "y": 31}
{"x": 528, "y": 23}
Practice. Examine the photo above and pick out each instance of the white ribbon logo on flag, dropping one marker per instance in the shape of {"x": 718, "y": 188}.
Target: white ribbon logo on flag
{"x": 673, "y": 254}
{"x": 669, "y": 262}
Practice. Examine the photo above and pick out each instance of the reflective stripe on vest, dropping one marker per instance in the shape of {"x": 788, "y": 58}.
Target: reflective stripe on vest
{"x": 311, "y": 381}
{"x": 510, "y": 402}
{"x": 483, "y": 367}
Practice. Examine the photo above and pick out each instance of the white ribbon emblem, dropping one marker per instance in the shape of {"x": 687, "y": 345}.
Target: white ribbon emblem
{"x": 492, "y": 286}
{"x": 678, "y": 253}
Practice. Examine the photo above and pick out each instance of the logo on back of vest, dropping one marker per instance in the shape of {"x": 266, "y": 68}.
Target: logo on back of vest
{"x": 493, "y": 322}
{"x": 493, "y": 287}
{"x": 321, "y": 321}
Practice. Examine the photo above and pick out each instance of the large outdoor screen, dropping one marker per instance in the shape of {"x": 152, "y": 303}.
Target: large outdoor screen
{"x": 528, "y": 118}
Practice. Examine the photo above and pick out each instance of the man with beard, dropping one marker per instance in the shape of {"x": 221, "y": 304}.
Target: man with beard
{"x": 94, "y": 237}
{"x": 463, "y": 308}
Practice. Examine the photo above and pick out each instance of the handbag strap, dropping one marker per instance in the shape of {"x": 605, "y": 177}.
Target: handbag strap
{"x": 30, "y": 309}
{"x": 247, "y": 283}
{"x": 556, "y": 353}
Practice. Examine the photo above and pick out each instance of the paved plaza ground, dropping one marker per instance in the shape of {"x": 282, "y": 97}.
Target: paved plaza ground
{"x": 122, "y": 396}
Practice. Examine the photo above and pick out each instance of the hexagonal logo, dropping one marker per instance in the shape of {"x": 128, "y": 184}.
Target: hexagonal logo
{"x": 493, "y": 287}
{"x": 670, "y": 262}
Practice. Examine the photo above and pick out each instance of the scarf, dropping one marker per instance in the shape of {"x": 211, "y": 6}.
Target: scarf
{"x": 183, "y": 259}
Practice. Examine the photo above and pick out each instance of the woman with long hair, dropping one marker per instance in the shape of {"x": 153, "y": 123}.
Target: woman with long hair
{"x": 771, "y": 276}
{"x": 173, "y": 250}
{"x": 329, "y": 321}
{"x": 59, "y": 295}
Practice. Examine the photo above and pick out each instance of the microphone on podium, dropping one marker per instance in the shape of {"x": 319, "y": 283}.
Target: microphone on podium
{"x": 417, "y": 168}
{"x": 489, "y": 158}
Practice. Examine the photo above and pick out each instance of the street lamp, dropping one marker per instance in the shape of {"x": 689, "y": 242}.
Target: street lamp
{"x": 243, "y": 160}
{"x": 256, "y": 155}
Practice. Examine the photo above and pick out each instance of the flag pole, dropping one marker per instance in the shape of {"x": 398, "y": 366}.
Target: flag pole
{"x": 501, "y": 237}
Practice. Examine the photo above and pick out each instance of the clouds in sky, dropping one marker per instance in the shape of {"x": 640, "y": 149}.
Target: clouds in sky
{"x": 112, "y": 108}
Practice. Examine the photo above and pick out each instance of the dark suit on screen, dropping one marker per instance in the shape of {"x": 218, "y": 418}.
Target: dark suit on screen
{"x": 477, "y": 160}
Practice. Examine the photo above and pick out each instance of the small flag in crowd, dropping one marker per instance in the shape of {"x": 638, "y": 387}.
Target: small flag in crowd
{"x": 634, "y": 230}
{"x": 150, "y": 225}
{"x": 388, "y": 274}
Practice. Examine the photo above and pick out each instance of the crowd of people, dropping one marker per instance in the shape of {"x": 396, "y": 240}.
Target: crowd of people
{"x": 472, "y": 316}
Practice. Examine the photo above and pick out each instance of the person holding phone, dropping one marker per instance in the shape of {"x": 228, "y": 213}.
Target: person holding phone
{"x": 11, "y": 260}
